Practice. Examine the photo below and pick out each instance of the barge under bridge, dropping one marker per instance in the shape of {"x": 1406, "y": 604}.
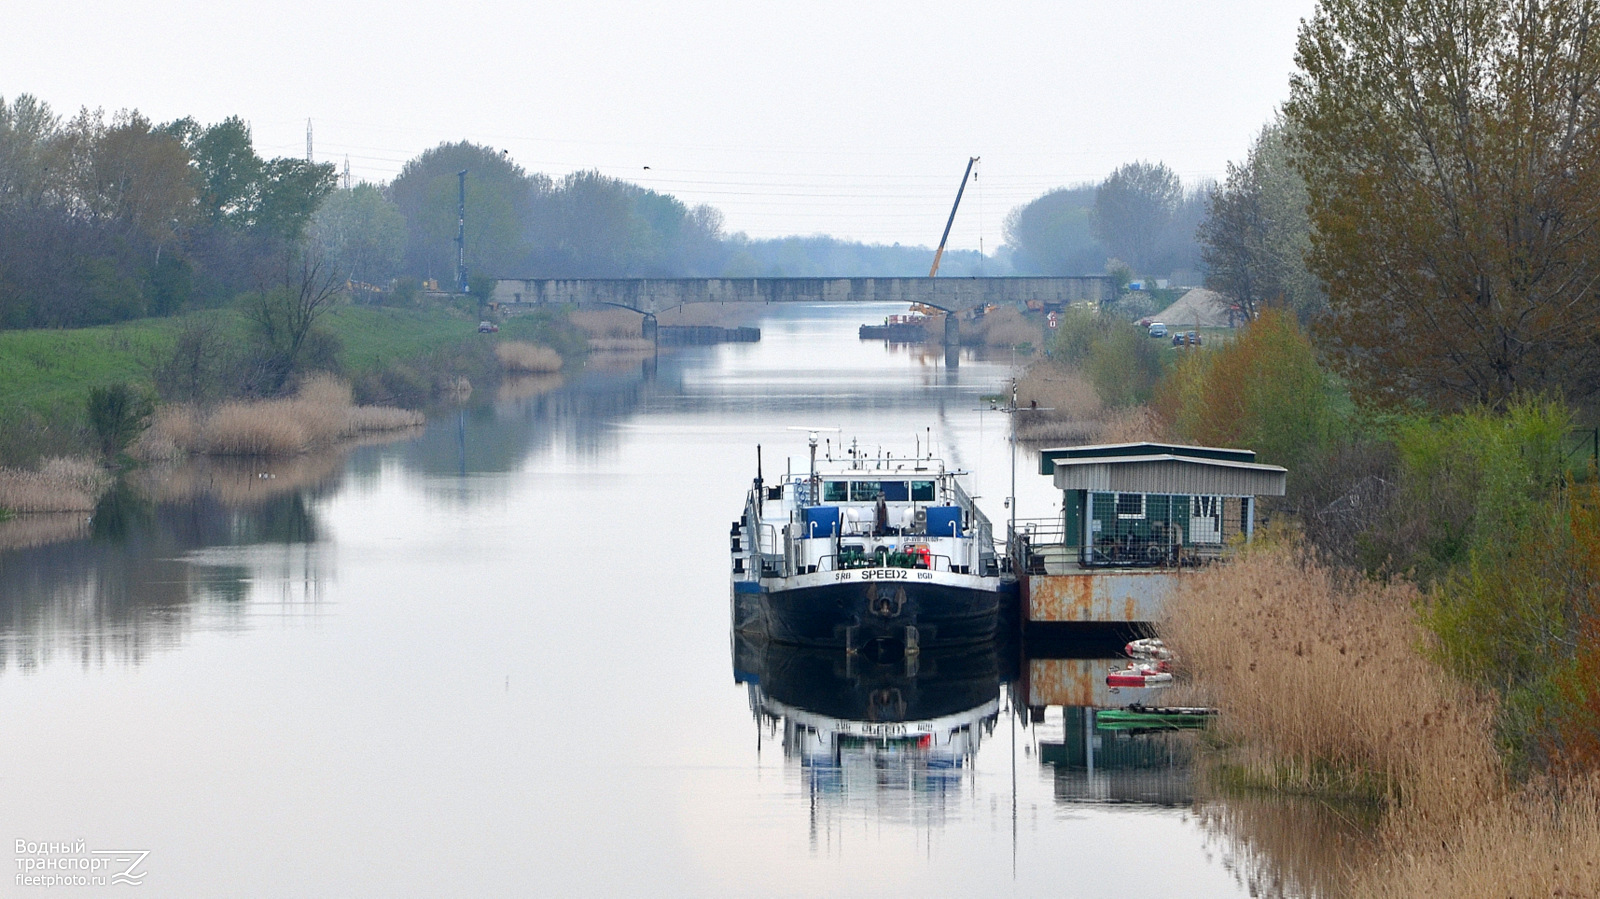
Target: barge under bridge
{"x": 653, "y": 295}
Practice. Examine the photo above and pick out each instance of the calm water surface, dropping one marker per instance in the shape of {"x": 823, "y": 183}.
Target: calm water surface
{"x": 494, "y": 659}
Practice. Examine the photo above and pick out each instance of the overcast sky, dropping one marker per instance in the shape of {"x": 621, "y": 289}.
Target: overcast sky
{"x": 852, "y": 119}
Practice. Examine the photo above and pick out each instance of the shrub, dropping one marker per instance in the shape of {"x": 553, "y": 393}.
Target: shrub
{"x": 117, "y": 413}
{"x": 1263, "y": 391}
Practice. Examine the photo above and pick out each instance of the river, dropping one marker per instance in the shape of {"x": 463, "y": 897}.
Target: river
{"x": 494, "y": 658}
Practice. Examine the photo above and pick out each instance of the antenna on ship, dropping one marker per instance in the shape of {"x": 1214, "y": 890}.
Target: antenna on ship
{"x": 811, "y": 439}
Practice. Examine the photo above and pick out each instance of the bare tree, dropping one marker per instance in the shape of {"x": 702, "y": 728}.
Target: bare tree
{"x": 284, "y": 316}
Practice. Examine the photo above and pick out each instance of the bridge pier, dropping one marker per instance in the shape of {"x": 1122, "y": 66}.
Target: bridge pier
{"x": 647, "y": 328}
{"x": 952, "y": 329}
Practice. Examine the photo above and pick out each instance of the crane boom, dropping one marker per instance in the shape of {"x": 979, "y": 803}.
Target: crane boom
{"x": 938, "y": 254}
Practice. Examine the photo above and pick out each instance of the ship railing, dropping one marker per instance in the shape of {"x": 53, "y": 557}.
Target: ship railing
{"x": 831, "y": 562}
{"x": 1039, "y": 546}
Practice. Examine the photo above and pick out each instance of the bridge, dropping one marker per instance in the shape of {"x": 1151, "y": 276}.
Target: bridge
{"x": 652, "y": 295}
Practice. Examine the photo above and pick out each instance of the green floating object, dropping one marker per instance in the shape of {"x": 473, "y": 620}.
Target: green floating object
{"x": 1138, "y": 717}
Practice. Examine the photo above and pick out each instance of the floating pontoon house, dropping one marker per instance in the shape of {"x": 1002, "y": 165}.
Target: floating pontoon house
{"x": 1134, "y": 516}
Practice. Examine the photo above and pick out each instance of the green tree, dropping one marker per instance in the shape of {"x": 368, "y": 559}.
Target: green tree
{"x": 1263, "y": 391}
{"x": 1133, "y": 208}
{"x": 226, "y": 165}
{"x": 1054, "y": 235}
{"x": 361, "y": 232}
{"x": 1451, "y": 152}
{"x": 1257, "y": 233}
{"x": 498, "y": 206}
{"x": 27, "y": 130}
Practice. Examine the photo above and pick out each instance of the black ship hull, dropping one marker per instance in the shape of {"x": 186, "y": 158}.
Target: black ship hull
{"x": 853, "y": 615}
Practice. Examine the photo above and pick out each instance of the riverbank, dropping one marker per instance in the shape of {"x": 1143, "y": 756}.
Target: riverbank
{"x": 398, "y": 357}
{"x": 1327, "y": 689}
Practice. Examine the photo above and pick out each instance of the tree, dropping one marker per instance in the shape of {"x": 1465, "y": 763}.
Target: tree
{"x": 129, "y": 173}
{"x": 226, "y": 164}
{"x": 283, "y": 316}
{"x": 289, "y": 194}
{"x": 1132, "y": 209}
{"x": 272, "y": 198}
{"x": 1054, "y": 235}
{"x": 27, "y": 130}
{"x": 1256, "y": 234}
{"x": 498, "y": 204}
{"x": 361, "y": 232}
{"x": 1451, "y": 150}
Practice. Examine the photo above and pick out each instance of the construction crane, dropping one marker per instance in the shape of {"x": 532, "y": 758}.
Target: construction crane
{"x": 938, "y": 254}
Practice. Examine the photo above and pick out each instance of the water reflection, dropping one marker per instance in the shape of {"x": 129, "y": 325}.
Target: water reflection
{"x": 897, "y": 734}
{"x": 132, "y": 577}
{"x": 890, "y": 738}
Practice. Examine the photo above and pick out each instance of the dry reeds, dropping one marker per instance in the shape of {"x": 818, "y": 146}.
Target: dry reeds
{"x": 1137, "y": 425}
{"x": 59, "y": 485}
{"x": 1323, "y": 688}
{"x": 607, "y": 323}
{"x": 620, "y": 345}
{"x": 1543, "y": 840}
{"x": 1002, "y": 327}
{"x": 530, "y": 358}
{"x": 320, "y": 413}
{"x": 1069, "y": 410}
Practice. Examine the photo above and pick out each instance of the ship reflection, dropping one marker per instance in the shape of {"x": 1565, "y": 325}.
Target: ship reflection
{"x": 892, "y": 735}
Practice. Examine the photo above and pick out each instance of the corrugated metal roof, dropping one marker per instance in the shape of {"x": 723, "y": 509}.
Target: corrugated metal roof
{"x": 1047, "y": 457}
{"x": 1169, "y": 473}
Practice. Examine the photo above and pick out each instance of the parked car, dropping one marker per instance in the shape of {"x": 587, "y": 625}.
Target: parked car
{"x": 1157, "y": 329}
{"x": 488, "y": 328}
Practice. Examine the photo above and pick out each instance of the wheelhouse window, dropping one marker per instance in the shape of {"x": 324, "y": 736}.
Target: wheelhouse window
{"x": 868, "y": 491}
{"x": 835, "y": 491}
{"x": 922, "y": 492}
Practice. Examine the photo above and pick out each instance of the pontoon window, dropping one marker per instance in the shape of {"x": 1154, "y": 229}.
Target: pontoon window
{"x": 1130, "y": 505}
{"x": 922, "y": 492}
{"x": 835, "y": 491}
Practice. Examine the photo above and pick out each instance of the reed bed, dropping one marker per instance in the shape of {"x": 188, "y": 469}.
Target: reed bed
{"x": 527, "y": 358}
{"x": 322, "y": 412}
{"x": 620, "y": 345}
{"x": 1000, "y": 328}
{"x": 1543, "y": 840}
{"x": 60, "y": 484}
{"x": 1324, "y": 690}
{"x": 607, "y": 323}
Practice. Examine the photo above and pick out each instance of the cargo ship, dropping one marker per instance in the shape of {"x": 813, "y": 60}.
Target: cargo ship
{"x": 863, "y": 547}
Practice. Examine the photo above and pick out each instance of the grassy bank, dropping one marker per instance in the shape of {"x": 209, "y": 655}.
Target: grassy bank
{"x": 391, "y": 356}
